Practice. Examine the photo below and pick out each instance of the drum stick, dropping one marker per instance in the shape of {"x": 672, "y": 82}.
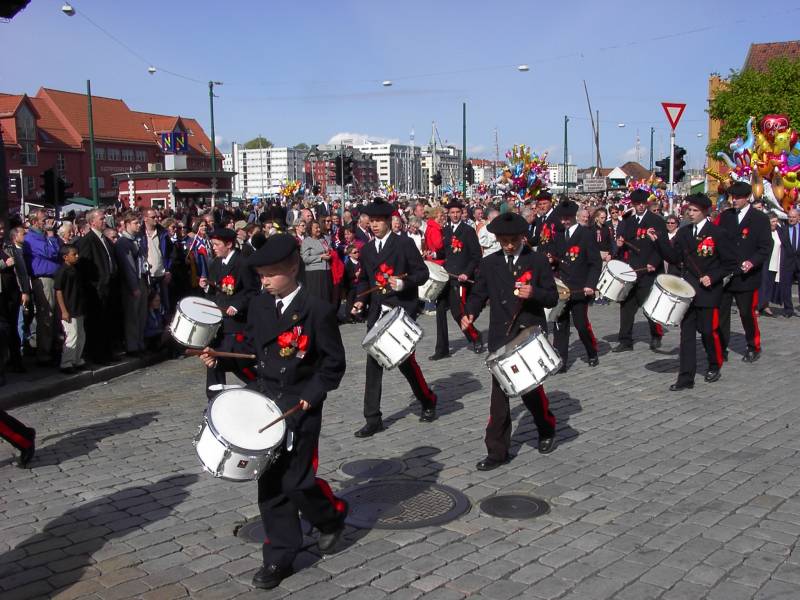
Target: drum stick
{"x": 379, "y": 287}
{"x": 639, "y": 270}
{"x": 218, "y": 354}
{"x": 465, "y": 281}
{"x": 288, "y": 413}
{"x": 633, "y": 246}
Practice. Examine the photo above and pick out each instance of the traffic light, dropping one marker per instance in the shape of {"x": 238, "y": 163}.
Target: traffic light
{"x": 337, "y": 169}
{"x": 348, "y": 170}
{"x": 679, "y": 173}
{"x": 316, "y": 189}
{"x": 437, "y": 178}
{"x": 61, "y": 191}
{"x": 49, "y": 185}
{"x": 663, "y": 168}
{"x": 469, "y": 173}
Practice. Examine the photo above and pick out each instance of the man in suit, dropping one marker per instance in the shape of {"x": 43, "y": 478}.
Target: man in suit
{"x": 642, "y": 255}
{"x": 134, "y": 289}
{"x": 750, "y": 232}
{"x": 577, "y": 259}
{"x": 398, "y": 255}
{"x": 461, "y": 253}
{"x": 299, "y": 359}
{"x": 24, "y": 314}
{"x": 10, "y": 301}
{"x": 708, "y": 256}
{"x": 230, "y": 284}
{"x": 518, "y": 284}
{"x": 790, "y": 260}
{"x": 362, "y": 229}
{"x": 547, "y": 224}
{"x": 98, "y": 268}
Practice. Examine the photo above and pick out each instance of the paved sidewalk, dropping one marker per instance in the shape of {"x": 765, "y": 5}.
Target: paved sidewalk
{"x": 653, "y": 494}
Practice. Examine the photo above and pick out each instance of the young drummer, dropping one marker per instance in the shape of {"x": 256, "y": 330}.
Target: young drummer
{"x": 519, "y": 285}
{"x": 299, "y": 359}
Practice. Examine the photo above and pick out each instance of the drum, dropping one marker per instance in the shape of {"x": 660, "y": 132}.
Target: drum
{"x": 228, "y": 442}
{"x": 616, "y": 280}
{"x": 669, "y": 300}
{"x": 437, "y": 280}
{"x": 524, "y": 363}
{"x": 196, "y": 322}
{"x": 393, "y": 338}
{"x": 552, "y": 314}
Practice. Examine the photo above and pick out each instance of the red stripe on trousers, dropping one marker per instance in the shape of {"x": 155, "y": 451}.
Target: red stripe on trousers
{"x": 589, "y": 328}
{"x": 659, "y": 330}
{"x": 470, "y": 331}
{"x": 17, "y": 439}
{"x": 323, "y": 485}
{"x": 412, "y": 360}
{"x": 715, "y": 336}
{"x": 757, "y": 331}
{"x": 548, "y": 416}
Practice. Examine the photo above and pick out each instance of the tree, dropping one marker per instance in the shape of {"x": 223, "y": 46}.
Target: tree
{"x": 755, "y": 93}
{"x": 258, "y": 142}
{"x": 302, "y": 146}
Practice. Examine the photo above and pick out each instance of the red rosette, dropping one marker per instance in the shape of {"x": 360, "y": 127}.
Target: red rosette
{"x": 228, "y": 280}
{"x": 525, "y": 277}
{"x": 285, "y": 339}
{"x": 575, "y": 250}
{"x": 302, "y": 343}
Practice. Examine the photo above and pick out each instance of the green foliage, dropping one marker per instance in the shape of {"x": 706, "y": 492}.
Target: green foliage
{"x": 755, "y": 93}
{"x": 258, "y": 142}
{"x": 302, "y": 146}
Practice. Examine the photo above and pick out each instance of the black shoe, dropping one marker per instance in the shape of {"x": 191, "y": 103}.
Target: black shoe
{"x": 327, "y": 541}
{"x": 489, "y": 464}
{"x": 593, "y": 362}
{"x": 68, "y": 370}
{"x": 788, "y": 314}
{"x": 270, "y": 576}
{"x": 478, "y": 346}
{"x": 438, "y": 356}
{"x": 712, "y": 376}
{"x": 26, "y": 455}
{"x": 725, "y": 355}
{"x": 767, "y": 313}
{"x": 547, "y": 445}
{"x": 751, "y": 356}
{"x": 428, "y": 414}
{"x": 369, "y": 429}
{"x": 655, "y": 343}
{"x": 623, "y": 348}
{"x": 679, "y": 385}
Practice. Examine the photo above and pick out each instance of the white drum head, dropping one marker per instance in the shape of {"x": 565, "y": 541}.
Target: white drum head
{"x": 621, "y": 270}
{"x": 237, "y": 415}
{"x": 676, "y": 286}
{"x": 200, "y": 310}
{"x": 436, "y": 271}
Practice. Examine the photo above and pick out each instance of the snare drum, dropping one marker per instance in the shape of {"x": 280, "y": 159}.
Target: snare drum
{"x": 616, "y": 280}
{"x": 196, "y": 322}
{"x": 669, "y": 300}
{"x": 551, "y": 314}
{"x": 393, "y": 338}
{"x": 437, "y": 281}
{"x": 228, "y": 442}
{"x": 524, "y": 363}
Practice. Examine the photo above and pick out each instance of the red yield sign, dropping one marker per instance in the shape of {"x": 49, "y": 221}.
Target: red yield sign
{"x": 674, "y": 112}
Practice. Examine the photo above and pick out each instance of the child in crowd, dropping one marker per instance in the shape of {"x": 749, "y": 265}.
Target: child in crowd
{"x": 71, "y": 302}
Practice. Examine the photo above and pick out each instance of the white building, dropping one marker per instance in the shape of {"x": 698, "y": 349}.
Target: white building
{"x": 261, "y": 171}
{"x": 448, "y": 163}
{"x": 398, "y": 165}
{"x": 556, "y": 171}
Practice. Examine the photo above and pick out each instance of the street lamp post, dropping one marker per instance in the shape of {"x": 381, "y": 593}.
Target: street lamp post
{"x": 93, "y": 160}
{"x": 211, "y": 85}
{"x": 566, "y": 155}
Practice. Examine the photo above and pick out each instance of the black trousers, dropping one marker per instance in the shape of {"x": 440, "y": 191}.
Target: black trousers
{"x": 788, "y": 278}
{"x": 15, "y": 432}
{"x": 9, "y": 315}
{"x": 705, "y": 321}
{"x": 578, "y": 310}
{"x": 627, "y": 313}
{"x": 374, "y": 386}
{"x": 100, "y": 326}
{"x": 452, "y": 298}
{"x": 747, "y": 303}
{"x": 767, "y": 291}
{"x": 289, "y": 486}
{"x": 498, "y": 430}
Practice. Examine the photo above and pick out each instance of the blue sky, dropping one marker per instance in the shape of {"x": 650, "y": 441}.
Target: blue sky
{"x": 305, "y": 72}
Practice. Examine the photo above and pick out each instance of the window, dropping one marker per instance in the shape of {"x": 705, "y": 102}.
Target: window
{"x": 113, "y": 154}
{"x": 26, "y": 125}
{"x": 141, "y": 156}
{"x": 60, "y": 163}
{"x": 127, "y": 155}
{"x": 28, "y": 154}
{"x": 99, "y": 153}
{"x": 101, "y": 183}
{"x": 27, "y": 185}
{"x": 158, "y": 203}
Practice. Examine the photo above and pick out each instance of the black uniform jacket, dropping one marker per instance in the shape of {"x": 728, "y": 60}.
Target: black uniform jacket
{"x": 245, "y": 287}
{"x": 401, "y": 255}
{"x": 544, "y": 235}
{"x": 462, "y": 256}
{"x": 752, "y": 239}
{"x": 642, "y": 251}
{"x": 709, "y": 253}
{"x": 496, "y": 283}
{"x": 579, "y": 261}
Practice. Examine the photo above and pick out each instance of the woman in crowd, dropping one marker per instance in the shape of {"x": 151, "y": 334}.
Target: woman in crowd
{"x": 603, "y": 234}
{"x": 300, "y": 231}
{"x": 414, "y": 225}
{"x": 770, "y": 278}
{"x": 198, "y": 253}
{"x": 316, "y": 255}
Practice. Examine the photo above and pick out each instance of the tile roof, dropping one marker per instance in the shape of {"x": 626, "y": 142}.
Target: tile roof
{"x": 9, "y": 103}
{"x": 635, "y": 170}
{"x": 56, "y": 133}
{"x": 759, "y": 55}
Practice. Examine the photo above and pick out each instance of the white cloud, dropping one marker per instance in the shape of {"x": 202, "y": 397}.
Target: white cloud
{"x": 347, "y": 137}
{"x": 628, "y": 155}
{"x": 473, "y": 150}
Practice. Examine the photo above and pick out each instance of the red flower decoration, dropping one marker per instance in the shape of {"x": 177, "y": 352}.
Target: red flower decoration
{"x": 525, "y": 277}
{"x": 456, "y": 244}
{"x": 285, "y": 339}
{"x": 239, "y": 337}
{"x": 228, "y": 280}
{"x": 383, "y": 274}
{"x": 641, "y": 232}
{"x": 302, "y": 343}
{"x": 745, "y": 232}
{"x": 575, "y": 250}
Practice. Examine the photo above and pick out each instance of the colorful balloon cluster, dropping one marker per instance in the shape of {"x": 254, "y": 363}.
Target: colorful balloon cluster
{"x": 768, "y": 157}
{"x": 653, "y": 185}
{"x": 290, "y": 188}
{"x": 526, "y": 172}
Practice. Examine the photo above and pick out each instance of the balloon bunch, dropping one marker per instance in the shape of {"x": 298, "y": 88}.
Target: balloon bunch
{"x": 526, "y": 172}
{"x": 769, "y": 157}
{"x": 653, "y": 185}
{"x": 290, "y": 188}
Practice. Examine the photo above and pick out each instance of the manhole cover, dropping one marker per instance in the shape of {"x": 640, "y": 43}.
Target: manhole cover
{"x": 253, "y": 530}
{"x": 370, "y": 468}
{"x": 403, "y": 504}
{"x": 515, "y": 507}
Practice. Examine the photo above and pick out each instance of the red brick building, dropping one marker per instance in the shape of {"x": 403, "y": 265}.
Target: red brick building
{"x": 51, "y": 130}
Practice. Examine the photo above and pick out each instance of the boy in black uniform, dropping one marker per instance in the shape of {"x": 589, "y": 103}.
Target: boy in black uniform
{"x": 299, "y": 359}
{"x": 547, "y": 224}
{"x": 578, "y": 263}
{"x": 230, "y": 284}
{"x": 752, "y": 236}
{"x": 382, "y": 260}
{"x": 640, "y": 252}
{"x": 462, "y": 253}
{"x": 519, "y": 285}
{"x": 708, "y": 256}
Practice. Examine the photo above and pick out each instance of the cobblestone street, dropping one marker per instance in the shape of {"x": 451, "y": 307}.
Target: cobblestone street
{"x": 653, "y": 494}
